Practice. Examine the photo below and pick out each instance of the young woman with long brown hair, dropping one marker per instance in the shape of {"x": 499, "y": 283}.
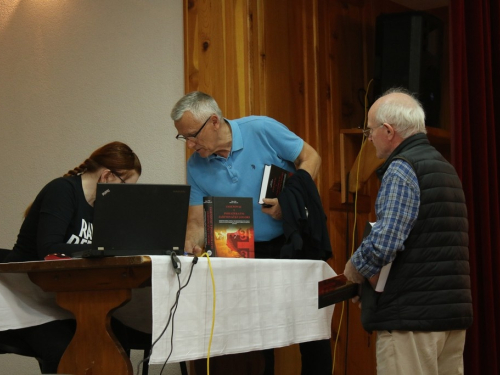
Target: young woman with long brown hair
{"x": 60, "y": 221}
{"x": 60, "y": 218}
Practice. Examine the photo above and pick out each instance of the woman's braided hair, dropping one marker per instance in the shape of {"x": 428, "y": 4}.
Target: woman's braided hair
{"x": 115, "y": 156}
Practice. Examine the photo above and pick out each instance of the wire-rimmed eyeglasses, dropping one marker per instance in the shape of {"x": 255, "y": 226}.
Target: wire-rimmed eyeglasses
{"x": 181, "y": 137}
{"x": 369, "y": 131}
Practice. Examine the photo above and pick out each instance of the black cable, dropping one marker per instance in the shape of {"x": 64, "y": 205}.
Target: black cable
{"x": 171, "y": 316}
{"x": 195, "y": 260}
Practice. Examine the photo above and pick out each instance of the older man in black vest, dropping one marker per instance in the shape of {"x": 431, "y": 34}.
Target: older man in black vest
{"x": 422, "y": 229}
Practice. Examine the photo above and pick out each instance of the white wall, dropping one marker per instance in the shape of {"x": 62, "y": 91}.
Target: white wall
{"x": 74, "y": 75}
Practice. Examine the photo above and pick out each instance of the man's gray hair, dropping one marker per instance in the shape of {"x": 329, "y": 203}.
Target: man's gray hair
{"x": 406, "y": 115}
{"x": 200, "y": 105}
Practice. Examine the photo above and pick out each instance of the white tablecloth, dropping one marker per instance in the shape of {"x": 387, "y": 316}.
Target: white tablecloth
{"x": 260, "y": 304}
{"x": 24, "y": 304}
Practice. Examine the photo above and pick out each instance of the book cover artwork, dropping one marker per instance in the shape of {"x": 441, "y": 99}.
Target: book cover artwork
{"x": 229, "y": 228}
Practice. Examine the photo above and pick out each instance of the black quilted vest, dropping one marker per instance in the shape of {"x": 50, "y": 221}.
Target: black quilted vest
{"x": 428, "y": 288}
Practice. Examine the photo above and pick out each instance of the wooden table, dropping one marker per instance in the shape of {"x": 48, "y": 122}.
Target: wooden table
{"x": 91, "y": 289}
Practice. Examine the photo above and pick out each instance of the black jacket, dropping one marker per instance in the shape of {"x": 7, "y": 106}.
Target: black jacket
{"x": 304, "y": 221}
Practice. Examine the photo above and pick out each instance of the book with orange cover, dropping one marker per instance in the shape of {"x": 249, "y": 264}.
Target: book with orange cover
{"x": 229, "y": 228}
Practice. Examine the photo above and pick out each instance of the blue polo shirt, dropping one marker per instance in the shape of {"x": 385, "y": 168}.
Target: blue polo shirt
{"x": 256, "y": 141}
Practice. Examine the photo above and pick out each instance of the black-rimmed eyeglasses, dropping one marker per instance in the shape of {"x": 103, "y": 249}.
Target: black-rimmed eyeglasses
{"x": 180, "y": 137}
{"x": 116, "y": 175}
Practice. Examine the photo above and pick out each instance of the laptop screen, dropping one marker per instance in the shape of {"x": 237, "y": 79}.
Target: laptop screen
{"x": 140, "y": 217}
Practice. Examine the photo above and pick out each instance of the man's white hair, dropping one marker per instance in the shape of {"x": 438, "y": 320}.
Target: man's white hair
{"x": 403, "y": 112}
{"x": 200, "y": 105}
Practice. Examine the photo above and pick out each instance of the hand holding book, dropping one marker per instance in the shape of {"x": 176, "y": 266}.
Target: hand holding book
{"x": 336, "y": 289}
{"x": 273, "y": 182}
{"x": 272, "y": 208}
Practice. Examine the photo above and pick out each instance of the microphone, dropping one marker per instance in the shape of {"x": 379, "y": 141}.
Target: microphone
{"x": 176, "y": 263}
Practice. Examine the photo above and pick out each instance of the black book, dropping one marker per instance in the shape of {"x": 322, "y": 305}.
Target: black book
{"x": 273, "y": 182}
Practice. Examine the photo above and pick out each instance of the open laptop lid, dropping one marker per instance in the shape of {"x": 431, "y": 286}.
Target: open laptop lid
{"x": 139, "y": 219}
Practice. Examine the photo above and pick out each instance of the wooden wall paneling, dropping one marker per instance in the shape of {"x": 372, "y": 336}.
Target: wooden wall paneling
{"x": 326, "y": 100}
{"x": 351, "y": 64}
{"x": 206, "y": 48}
{"x": 217, "y": 52}
{"x": 276, "y": 54}
{"x": 354, "y": 352}
{"x": 306, "y": 83}
{"x": 236, "y": 57}
{"x": 191, "y": 50}
{"x": 302, "y": 35}
{"x": 257, "y": 58}
{"x": 329, "y": 122}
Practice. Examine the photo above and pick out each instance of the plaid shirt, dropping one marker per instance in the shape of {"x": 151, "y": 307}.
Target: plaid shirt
{"x": 396, "y": 207}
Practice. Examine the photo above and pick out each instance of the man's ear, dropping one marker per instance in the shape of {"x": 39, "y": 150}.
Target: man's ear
{"x": 217, "y": 121}
{"x": 390, "y": 131}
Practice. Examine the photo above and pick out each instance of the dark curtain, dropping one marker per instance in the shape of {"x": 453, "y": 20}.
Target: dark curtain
{"x": 475, "y": 92}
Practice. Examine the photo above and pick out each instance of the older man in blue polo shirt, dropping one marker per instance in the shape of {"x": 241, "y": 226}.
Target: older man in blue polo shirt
{"x": 229, "y": 160}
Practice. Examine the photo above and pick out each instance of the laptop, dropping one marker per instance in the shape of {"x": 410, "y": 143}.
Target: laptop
{"x": 138, "y": 219}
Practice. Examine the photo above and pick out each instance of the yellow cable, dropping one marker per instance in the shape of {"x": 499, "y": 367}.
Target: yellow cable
{"x": 213, "y": 312}
{"x": 355, "y": 215}
{"x": 337, "y": 338}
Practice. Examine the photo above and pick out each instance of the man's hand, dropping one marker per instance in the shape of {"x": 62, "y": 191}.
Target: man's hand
{"x": 352, "y": 274}
{"x": 195, "y": 232}
{"x": 356, "y": 300}
{"x": 274, "y": 210}
{"x": 191, "y": 248}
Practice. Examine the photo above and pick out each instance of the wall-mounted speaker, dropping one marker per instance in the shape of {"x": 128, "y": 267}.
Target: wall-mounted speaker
{"x": 408, "y": 52}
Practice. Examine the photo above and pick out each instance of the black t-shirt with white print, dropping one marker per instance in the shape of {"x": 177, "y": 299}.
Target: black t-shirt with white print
{"x": 59, "y": 221}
